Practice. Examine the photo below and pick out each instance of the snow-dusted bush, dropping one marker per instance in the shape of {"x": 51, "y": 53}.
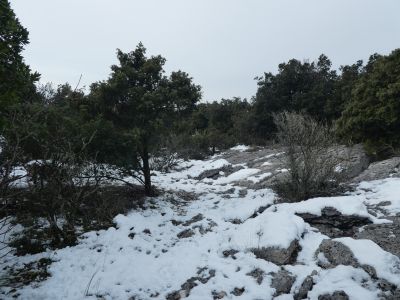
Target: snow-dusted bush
{"x": 311, "y": 157}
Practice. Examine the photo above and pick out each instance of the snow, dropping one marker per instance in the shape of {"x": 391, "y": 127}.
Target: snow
{"x": 343, "y": 278}
{"x": 111, "y": 264}
{"x": 259, "y": 177}
{"x": 242, "y": 174}
{"x": 346, "y": 205}
{"x": 240, "y": 148}
{"x": 268, "y": 230}
{"x": 387, "y": 265}
{"x": 382, "y": 190}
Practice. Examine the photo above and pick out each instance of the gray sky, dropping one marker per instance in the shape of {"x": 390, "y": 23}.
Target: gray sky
{"x": 222, "y": 44}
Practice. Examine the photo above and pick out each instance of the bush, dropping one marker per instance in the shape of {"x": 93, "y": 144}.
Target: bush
{"x": 59, "y": 190}
{"x": 311, "y": 158}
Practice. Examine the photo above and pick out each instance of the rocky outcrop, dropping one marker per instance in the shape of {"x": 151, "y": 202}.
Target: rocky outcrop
{"x": 334, "y": 224}
{"x": 387, "y": 235}
{"x": 380, "y": 170}
{"x": 279, "y": 256}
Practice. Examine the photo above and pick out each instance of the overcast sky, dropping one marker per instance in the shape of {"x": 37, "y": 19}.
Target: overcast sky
{"x": 222, "y": 44}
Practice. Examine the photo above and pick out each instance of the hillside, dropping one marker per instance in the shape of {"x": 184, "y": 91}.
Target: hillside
{"x": 219, "y": 232}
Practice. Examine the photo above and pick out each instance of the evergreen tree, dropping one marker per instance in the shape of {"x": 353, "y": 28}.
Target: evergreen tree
{"x": 143, "y": 103}
{"x": 17, "y": 80}
{"x": 373, "y": 114}
{"x": 298, "y": 86}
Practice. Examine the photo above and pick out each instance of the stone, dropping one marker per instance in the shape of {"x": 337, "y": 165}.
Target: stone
{"x": 282, "y": 282}
{"x": 185, "y": 233}
{"x": 387, "y": 235}
{"x": 279, "y": 256}
{"x": 305, "y": 287}
{"x": 334, "y": 224}
{"x": 380, "y": 170}
{"x": 147, "y": 231}
{"x": 338, "y": 295}
{"x": 336, "y": 254}
{"x": 257, "y": 274}
{"x": 186, "y": 287}
{"x": 230, "y": 253}
{"x": 216, "y": 173}
{"x": 238, "y": 291}
{"x": 195, "y": 219}
{"x": 218, "y": 295}
{"x": 355, "y": 159}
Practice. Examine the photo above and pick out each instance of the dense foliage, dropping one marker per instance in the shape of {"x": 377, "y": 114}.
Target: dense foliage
{"x": 16, "y": 79}
{"x": 372, "y": 115}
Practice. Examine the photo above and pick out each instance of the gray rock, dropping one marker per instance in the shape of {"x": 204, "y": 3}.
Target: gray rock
{"x": 279, "y": 256}
{"x": 218, "y": 295}
{"x": 338, "y": 295}
{"x": 202, "y": 277}
{"x": 305, "y": 287}
{"x": 257, "y": 274}
{"x": 387, "y": 235}
{"x": 238, "y": 291}
{"x": 333, "y": 224}
{"x": 282, "y": 282}
{"x": 395, "y": 295}
{"x": 185, "y": 233}
{"x": 230, "y": 253}
{"x": 195, "y": 219}
{"x": 336, "y": 254}
{"x": 355, "y": 159}
{"x": 380, "y": 170}
{"x": 216, "y": 173}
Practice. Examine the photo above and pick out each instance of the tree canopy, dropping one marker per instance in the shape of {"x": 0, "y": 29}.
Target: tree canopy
{"x": 17, "y": 80}
{"x": 143, "y": 103}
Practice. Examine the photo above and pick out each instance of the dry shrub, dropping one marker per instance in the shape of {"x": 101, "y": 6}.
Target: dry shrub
{"x": 312, "y": 158}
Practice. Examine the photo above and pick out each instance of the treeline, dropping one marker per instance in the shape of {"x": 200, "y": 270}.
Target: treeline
{"x": 139, "y": 110}
{"x": 61, "y": 146}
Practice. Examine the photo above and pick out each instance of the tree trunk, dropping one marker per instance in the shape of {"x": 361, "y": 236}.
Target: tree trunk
{"x": 146, "y": 171}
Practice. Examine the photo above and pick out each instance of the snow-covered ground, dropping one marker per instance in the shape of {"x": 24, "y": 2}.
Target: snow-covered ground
{"x": 151, "y": 253}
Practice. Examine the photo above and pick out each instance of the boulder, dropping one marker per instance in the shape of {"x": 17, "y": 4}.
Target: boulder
{"x": 332, "y": 253}
{"x": 380, "y": 170}
{"x": 279, "y": 256}
{"x": 354, "y": 159}
{"x": 335, "y": 253}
